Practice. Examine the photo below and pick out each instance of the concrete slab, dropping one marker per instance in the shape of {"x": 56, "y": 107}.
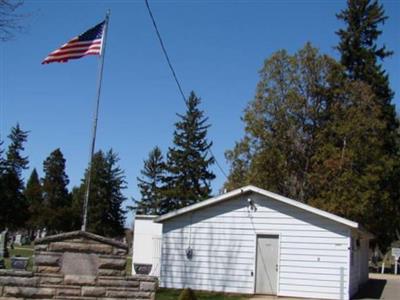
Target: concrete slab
{"x": 379, "y": 286}
{"x": 268, "y": 297}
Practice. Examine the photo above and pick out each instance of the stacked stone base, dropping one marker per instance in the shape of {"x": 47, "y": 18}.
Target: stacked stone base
{"x": 27, "y": 285}
{"x": 77, "y": 266}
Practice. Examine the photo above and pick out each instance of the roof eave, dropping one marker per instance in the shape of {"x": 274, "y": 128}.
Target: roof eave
{"x": 254, "y": 189}
{"x": 199, "y": 205}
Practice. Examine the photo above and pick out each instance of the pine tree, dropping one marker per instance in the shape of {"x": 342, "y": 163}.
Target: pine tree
{"x": 34, "y": 197}
{"x": 106, "y": 215}
{"x": 13, "y": 206}
{"x": 2, "y": 189}
{"x": 77, "y": 196}
{"x": 188, "y": 161}
{"x": 363, "y": 56}
{"x": 16, "y": 162}
{"x": 56, "y": 198}
{"x": 151, "y": 184}
{"x": 2, "y": 160}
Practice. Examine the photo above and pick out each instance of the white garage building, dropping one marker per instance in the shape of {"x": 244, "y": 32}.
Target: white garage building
{"x": 253, "y": 241}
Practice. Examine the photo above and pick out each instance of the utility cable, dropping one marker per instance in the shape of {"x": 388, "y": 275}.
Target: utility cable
{"x": 174, "y": 74}
{"x": 217, "y": 163}
{"x": 165, "y": 51}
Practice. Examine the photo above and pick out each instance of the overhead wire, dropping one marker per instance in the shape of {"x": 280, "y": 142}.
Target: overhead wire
{"x": 164, "y": 50}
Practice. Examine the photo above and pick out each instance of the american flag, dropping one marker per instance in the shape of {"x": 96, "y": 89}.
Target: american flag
{"x": 88, "y": 43}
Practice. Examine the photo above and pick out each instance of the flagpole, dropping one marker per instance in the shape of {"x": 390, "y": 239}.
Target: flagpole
{"x": 96, "y": 116}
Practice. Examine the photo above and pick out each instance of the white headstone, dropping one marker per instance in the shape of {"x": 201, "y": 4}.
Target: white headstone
{"x": 18, "y": 239}
{"x": 2, "y": 243}
{"x": 396, "y": 254}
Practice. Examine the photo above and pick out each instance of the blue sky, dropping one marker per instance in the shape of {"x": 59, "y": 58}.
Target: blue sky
{"x": 217, "y": 48}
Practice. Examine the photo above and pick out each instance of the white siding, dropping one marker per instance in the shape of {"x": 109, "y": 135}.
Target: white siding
{"x": 359, "y": 264}
{"x": 146, "y": 244}
{"x": 313, "y": 258}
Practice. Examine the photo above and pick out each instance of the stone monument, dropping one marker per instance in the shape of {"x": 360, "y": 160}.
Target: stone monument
{"x": 77, "y": 265}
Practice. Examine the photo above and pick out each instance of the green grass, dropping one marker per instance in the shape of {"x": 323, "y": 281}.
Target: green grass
{"x": 172, "y": 294}
{"x": 128, "y": 267}
{"x": 26, "y": 251}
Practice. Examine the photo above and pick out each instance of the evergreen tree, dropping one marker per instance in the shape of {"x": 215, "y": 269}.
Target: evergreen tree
{"x": 282, "y": 123}
{"x": 360, "y": 53}
{"x": 55, "y": 193}
{"x": 13, "y": 206}
{"x": 77, "y": 196}
{"x": 2, "y": 189}
{"x": 363, "y": 56}
{"x": 188, "y": 161}
{"x": 34, "y": 197}
{"x": 105, "y": 211}
{"x": 150, "y": 184}
{"x": 2, "y": 160}
{"x": 314, "y": 135}
{"x": 16, "y": 162}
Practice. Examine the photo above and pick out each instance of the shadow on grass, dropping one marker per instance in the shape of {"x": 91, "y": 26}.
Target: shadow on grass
{"x": 373, "y": 289}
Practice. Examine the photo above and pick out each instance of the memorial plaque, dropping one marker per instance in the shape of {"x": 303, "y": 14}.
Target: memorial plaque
{"x": 19, "y": 263}
{"x": 80, "y": 264}
{"x": 142, "y": 269}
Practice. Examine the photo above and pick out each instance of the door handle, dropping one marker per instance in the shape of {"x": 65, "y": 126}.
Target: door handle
{"x": 276, "y": 267}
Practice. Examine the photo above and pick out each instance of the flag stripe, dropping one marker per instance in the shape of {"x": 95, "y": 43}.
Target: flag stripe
{"x": 78, "y": 44}
{"x": 75, "y": 50}
{"x": 88, "y": 43}
{"x": 73, "y": 54}
{"x": 64, "y": 60}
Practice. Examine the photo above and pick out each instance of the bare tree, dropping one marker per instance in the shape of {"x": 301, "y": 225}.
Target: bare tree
{"x": 10, "y": 20}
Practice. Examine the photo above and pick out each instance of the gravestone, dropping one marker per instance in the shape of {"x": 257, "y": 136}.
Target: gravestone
{"x": 19, "y": 263}
{"x": 18, "y": 239}
{"x": 3, "y": 243}
{"x": 396, "y": 255}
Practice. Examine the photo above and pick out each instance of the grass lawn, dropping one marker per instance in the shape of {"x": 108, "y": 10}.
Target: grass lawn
{"x": 128, "y": 267}
{"x": 171, "y": 294}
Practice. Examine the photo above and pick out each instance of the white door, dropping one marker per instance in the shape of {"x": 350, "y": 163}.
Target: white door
{"x": 267, "y": 264}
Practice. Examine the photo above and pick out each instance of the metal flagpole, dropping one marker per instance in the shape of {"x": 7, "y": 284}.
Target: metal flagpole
{"x": 96, "y": 116}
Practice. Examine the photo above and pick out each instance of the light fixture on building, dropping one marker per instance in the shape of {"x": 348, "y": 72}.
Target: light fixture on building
{"x": 251, "y": 204}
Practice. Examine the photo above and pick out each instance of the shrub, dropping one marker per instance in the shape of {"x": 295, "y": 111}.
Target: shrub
{"x": 187, "y": 294}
